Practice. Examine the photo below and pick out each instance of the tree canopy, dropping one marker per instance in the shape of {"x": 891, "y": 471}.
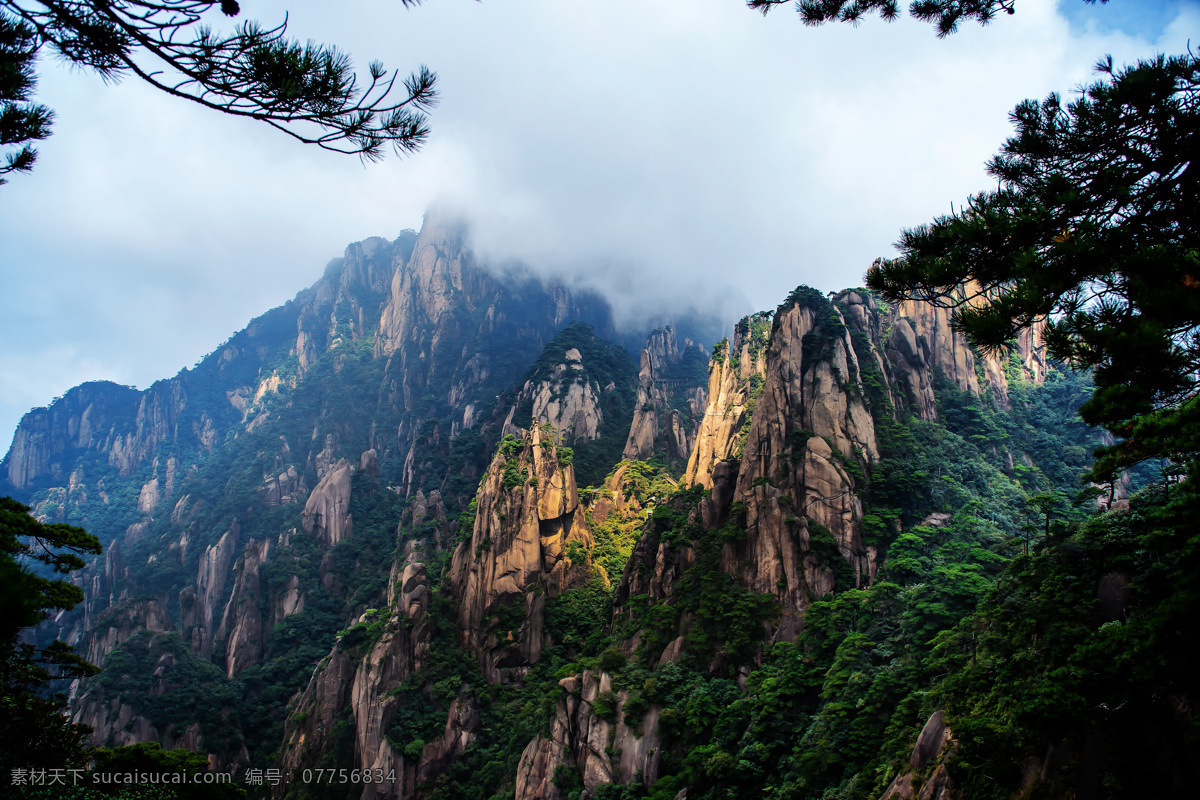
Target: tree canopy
{"x": 309, "y": 91}
{"x": 1095, "y": 227}
{"x": 943, "y": 14}
{"x": 32, "y": 724}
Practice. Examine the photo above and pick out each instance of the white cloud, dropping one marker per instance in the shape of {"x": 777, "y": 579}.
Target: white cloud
{"x": 697, "y": 143}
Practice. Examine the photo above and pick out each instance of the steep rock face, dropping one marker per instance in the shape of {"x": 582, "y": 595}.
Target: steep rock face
{"x": 944, "y": 348}
{"x": 669, "y": 408}
{"x": 424, "y": 293}
{"x": 116, "y": 724}
{"x": 934, "y": 743}
{"x": 461, "y": 731}
{"x": 1031, "y": 352}
{"x": 345, "y": 302}
{"x": 157, "y": 422}
{"x": 568, "y": 398}
{"x": 897, "y": 357}
{"x": 105, "y": 587}
{"x": 653, "y": 568}
{"x": 312, "y": 728}
{"x": 198, "y": 603}
{"x": 327, "y": 512}
{"x": 601, "y": 750}
{"x": 47, "y": 438}
{"x": 398, "y": 653}
{"x": 121, "y": 622}
{"x": 644, "y": 430}
{"x": 242, "y": 624}
{"x": 527, "y": 524}
{"x": 358, "y": 692}
{"x": 808, "y": 434}
{"x": 287, "y": 487}
{"x": 729, "y": 377}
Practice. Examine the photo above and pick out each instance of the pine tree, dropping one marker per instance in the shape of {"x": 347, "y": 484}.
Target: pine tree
{"x": 943, "y": 14}
{"x": 33, "y": 727}
{"x": 1095, "y": 226}
{"x": 308, "y": 91}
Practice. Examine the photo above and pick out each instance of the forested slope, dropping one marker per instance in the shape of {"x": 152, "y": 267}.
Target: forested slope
{"x": 436, "y": 522}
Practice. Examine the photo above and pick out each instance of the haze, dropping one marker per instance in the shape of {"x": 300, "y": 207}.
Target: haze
{"x": 691, "y": 152}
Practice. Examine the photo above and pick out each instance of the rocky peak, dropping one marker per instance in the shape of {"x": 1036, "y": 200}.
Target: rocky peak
{"x": 663, "y": 348}
{"x": 345, "y": 303}
{"x": 566, "y": 397}
{"x": 735, "y": 374}
{"x": 47, "y": 439}
{"x": 529, "y": 543}
{"x": 809, "y": 444}
{"x": 424, "y": 290}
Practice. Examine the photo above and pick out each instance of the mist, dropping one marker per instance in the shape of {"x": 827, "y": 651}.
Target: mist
{"x": 669, "y": 155}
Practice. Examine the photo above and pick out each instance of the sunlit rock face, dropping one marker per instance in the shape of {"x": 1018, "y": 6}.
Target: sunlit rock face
{"x": 528, "y": 525}
{"x": 809, "y": 432}
{"x": 567, "y": 397}
{"x": 729, "y": 387}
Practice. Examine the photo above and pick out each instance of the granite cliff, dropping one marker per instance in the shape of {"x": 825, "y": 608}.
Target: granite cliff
{"x": 428, "y": 519}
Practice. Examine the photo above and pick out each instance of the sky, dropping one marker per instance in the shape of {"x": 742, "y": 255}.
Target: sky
{"x": 666, "y": 152}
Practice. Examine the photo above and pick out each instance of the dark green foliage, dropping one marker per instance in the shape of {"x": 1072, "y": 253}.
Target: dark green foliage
{"x": 567, "y": 780}
{"x": 605, "y": 706}
{"x": 26, "y": 595}
{"x": 690, "y": 370}
{"x": 648, "y": 485}
{"x": 20, "y": 120}
{"x": 612, "y": 659}
{"x": 1094, "y": 226}
{"x": 200, "y": 692}
{"x": 33, "y": 726}
{"x": 944, "y": 15}
{"x": 720, "y": 351}
{"x": 576, "y": 619}
{"x": 754, "y": 331}
{"x": 306, "y": 90}
{"x": 514, "y": 473}
{"x": 1080, "y": 647}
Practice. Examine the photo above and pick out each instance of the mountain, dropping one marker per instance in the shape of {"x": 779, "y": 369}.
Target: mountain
{"x": 435, "y": 522}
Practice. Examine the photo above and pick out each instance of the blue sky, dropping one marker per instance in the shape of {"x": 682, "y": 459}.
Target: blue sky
{"x": 696, "y": 150}
{"x": 1147, "y": 19}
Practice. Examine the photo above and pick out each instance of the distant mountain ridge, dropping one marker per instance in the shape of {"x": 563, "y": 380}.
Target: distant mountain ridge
{"x": 358, "y": 530}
